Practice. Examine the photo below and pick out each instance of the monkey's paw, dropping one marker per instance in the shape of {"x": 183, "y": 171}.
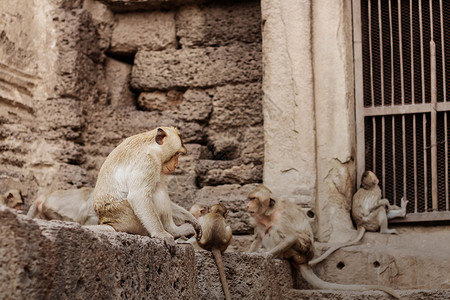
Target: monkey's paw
{"x": 197, "y": 228}
{"x": 169, "y": 241}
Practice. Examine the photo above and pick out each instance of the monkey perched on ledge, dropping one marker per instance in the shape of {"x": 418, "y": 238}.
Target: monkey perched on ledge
{"x": 131, "y": 195}
{"x": 369, "y": 212}
{"x": 216, "y": 238}
{"x": 283, "y": 230}
{"x": 73, "y": 205}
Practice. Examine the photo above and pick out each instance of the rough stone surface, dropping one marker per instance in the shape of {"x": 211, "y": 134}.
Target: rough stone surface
{"x": 202, "y": 67}
{"x": 103, "y": 19}
{"x": 159, "y": 101}
{"x": 289, "y": 116}
{"x": 249, "y": 276}
{"x": 240, "y": 171}
{"x": 219, "y": 24}
{"x": 133, "y": 5}
{"x": 143, "y": 30}
{"x": 118, "y": 82}
{"x": 42, "y": 259}
{"x": 334, "y": 83}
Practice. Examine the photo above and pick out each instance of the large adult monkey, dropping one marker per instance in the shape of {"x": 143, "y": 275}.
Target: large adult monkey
{"x": 216, "y": 238}
{"x": 369, "y": 212}
{"x": 282, "y": 229}
{"x": 131, "y": 195}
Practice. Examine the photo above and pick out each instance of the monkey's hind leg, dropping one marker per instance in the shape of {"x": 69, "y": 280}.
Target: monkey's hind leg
{"x": 398, "y": 212}
{"x": 383, "y": 222}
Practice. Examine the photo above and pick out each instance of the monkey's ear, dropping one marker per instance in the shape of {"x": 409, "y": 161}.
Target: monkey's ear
{"x": 160, "y": 135}
{"x": 272, "y": 202}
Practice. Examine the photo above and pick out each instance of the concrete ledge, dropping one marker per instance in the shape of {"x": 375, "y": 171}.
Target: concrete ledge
{"x": 409, "y": 260}
{"x": 370, "y": 295}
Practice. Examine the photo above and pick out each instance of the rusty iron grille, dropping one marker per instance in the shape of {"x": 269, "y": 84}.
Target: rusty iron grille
{"x": 402, "y": 60}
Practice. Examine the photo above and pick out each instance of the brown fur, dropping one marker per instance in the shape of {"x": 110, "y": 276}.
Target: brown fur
{"x": 216, "y": 238}
{"x": 131, "y": 195}
{"x": 282, "y": 230}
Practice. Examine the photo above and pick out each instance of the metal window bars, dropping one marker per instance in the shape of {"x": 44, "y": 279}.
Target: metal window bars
{"x": 401, "y": 67}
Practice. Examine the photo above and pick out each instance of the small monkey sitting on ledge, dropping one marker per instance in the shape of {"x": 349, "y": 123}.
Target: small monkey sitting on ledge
{"x": 131, "y": 195}
{"x": 369, "y": 212}
{"x": 216, "y": 237}
{"x": 283, "y": 230}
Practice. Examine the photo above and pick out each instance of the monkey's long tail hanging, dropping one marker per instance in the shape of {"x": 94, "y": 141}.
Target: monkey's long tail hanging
{"x": 359, "y": 236}
{"x": 218, "y": 257}
{"x": 316, "y": 282}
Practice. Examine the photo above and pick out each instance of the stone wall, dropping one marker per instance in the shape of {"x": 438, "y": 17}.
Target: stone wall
{"x": 50, "y": 66}
{"x": 100, "y": 72}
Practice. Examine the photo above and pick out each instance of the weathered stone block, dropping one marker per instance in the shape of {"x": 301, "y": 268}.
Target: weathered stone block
{"x": 103, "y": 19}
{"x": 249, "y": 276}
{"x": 54, "y": 260}
{"x": 143, "y": 30}
{"x": 196, "y": 105}
{"x": 237, "y": 105}
{"x": 196, "y": 67}
{"x": 139, "y": 5}
{"x": 118, "y": 82}
{"x": 159, "y": 101}
{"x": 219, "y": 24}
{"x": 216, "y": 172}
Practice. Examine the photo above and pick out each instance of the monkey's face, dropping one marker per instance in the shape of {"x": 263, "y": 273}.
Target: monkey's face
{"x": 369, "y": 180}
{"x": 254, "y": 206}
{"x": 170, "y": 166}
{"x": 14, "y": 200}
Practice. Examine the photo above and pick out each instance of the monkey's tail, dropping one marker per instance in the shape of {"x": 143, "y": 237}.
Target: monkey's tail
{"x": 218, "y": 257}
{"x": 308, "y": 274}
{"x": 359, "y": 236}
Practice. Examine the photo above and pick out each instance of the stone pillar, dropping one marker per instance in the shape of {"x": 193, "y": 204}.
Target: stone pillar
{"x": 309, "y": 108}
{"x": 288, "y": 103}
{"x": 335, "y": 122}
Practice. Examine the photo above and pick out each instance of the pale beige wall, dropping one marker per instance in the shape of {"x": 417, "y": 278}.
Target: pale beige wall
{"x": 289, "y": 126}
{"x": 309, "y": 108}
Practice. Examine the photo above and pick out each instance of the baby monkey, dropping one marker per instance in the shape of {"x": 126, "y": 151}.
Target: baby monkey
{"x": 216, "y": 237}
{"x": 370, "y": 212}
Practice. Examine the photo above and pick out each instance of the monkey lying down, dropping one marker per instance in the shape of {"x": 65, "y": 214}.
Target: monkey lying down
{"x": 282, "y": 229}
{"x": 131, "y": 195}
